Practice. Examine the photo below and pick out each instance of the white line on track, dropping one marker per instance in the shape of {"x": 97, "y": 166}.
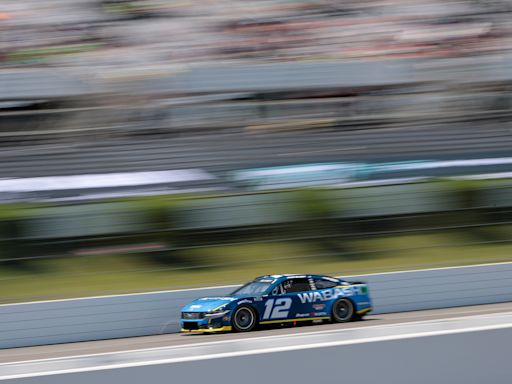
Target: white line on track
{"x": 434, "y": 269}
{"x": 268, "y": 337}
{"x": 359, "y": 335}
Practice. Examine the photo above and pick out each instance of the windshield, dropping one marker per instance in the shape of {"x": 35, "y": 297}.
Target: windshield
{"x": 253, "y": 288}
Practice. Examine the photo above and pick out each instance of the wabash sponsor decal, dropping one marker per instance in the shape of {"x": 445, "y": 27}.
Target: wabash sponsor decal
{"x": 330, "y": 294}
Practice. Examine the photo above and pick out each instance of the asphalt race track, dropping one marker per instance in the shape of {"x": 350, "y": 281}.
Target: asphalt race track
{"x": 471, "y": 358}
{"x": 455, "y": 345}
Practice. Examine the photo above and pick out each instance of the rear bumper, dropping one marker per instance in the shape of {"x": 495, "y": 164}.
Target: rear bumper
{"x": 364, "y": 311}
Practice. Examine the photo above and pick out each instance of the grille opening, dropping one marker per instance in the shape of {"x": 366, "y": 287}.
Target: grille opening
{"x": 190, "y": 325}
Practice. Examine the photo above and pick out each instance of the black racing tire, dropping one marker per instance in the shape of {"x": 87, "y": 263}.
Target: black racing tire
{"x": 244, "y": 319}
{"x": 343, "y": 311}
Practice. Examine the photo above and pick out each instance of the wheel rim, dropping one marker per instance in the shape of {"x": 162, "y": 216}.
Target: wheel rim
{"x": 244, "y": 318}
{"x": 343, "y": 310}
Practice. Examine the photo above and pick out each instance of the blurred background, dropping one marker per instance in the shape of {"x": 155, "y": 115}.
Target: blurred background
{"x": 160, "y": 144}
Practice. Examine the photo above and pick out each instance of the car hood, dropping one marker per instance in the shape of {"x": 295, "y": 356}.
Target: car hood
{"x": 206, "y": 304}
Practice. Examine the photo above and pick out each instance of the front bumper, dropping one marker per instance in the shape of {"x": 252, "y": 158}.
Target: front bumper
{"x": 226, "y": 328}
{"x": 215, "y": 324}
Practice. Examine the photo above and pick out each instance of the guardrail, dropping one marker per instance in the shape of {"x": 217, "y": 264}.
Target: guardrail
{"x": 95, "y": 318}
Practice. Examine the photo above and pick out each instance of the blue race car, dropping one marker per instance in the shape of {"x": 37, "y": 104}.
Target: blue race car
{"x": 276, "y": 299}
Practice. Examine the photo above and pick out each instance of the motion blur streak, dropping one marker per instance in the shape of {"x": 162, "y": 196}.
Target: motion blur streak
{"x": 160, "y": 144}
{"x": 157, "y": 145}
{"x": 256, "y": 345}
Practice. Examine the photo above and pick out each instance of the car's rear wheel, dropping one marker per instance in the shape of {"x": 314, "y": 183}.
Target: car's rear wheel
{"x": 343, "y": 311}
{"x": 244, "y": 319}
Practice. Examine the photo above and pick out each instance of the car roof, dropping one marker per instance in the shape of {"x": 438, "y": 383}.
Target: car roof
{"x": 287, "y": 276}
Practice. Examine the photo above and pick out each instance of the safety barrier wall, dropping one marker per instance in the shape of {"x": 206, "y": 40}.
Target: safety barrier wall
{"x": 39, "y": 323}
{"x": 136, "y": 218}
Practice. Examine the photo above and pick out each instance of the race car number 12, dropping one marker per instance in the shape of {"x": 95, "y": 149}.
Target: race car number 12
{"x": 278, "y": 308}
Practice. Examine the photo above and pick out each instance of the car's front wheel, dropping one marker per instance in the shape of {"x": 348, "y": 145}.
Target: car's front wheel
{"x": 343, "y": 311}
{"x": 244, "y": 319}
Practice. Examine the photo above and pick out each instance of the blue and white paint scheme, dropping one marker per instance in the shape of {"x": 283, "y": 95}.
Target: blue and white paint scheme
{"x": 274, "y": 299}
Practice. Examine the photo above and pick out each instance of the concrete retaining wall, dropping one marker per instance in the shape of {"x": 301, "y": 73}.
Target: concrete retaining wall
{"x": 95, "y": 318}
